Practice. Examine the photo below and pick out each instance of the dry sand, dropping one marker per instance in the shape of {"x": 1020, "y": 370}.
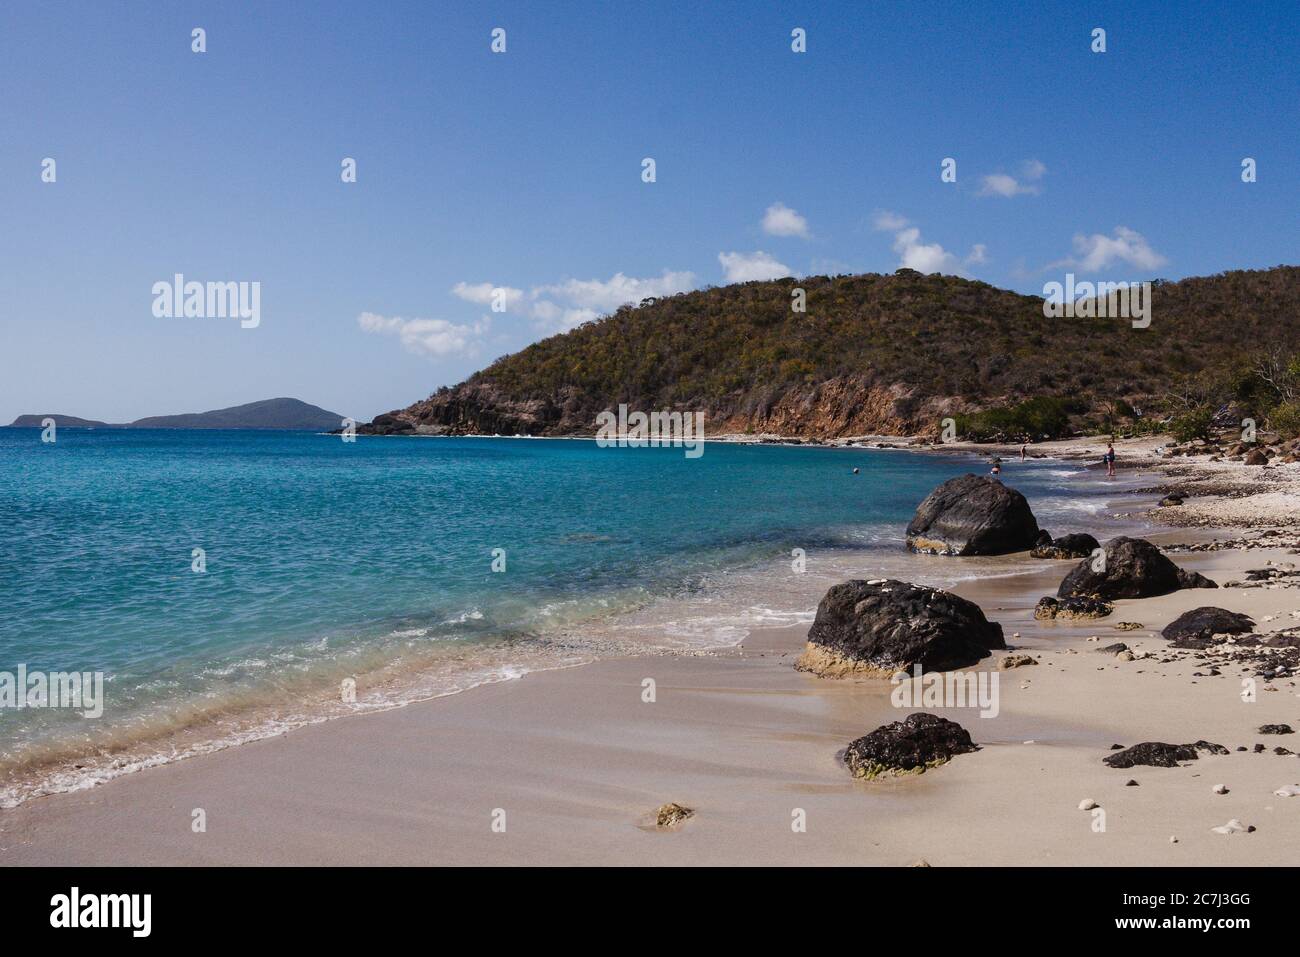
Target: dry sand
{"x": 578, "y": 763}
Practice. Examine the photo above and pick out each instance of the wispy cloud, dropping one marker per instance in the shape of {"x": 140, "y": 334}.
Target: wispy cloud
{"x": 563, "y": 305}
{"x": 1004, "y": 185}
{"x": 435, "y": 338}
{"x": 485, "y": 294}
{"x": 781, "y": 220}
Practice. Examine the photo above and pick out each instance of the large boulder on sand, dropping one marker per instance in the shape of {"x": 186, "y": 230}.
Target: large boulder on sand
{"x": 1079, "y": 545}
{"x": 885, "y": 626}
{"x": 1202, "y": 624}
{"x": 1132, "y": 568}
{"x": 972, "y": 515}
{"x": 911, "y": 746}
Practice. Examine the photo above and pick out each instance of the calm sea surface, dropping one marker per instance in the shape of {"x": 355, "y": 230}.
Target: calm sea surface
{"x": 374, "y": 561}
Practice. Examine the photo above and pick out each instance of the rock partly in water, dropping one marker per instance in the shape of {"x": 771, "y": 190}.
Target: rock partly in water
{"x": 885, "y": 626}
{"x": 1157, "y": 754}
{"x": 1171, "y": 501}
{"x": 912, "y": 746}
{"x": 1128, "y": 568}
{"x": 1067, "y": 546}
{"x": 1207, "y": 621}
{"x": 972, "y": 515}
{"x": 1049, "y": 609}
{"x": 672, "y": 814}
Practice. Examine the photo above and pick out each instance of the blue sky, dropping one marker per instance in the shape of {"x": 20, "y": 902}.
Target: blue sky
{"x": 522, "y": 171}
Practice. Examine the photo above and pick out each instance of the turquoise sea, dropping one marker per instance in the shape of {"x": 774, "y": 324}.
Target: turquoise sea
{"x": 374, "y": 561}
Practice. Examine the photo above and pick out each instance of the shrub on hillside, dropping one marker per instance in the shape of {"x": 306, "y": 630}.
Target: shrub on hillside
{"x": 1285, "y": 419}
{"x": 1192, "y": 424}
{"x": 1043, "y": 417}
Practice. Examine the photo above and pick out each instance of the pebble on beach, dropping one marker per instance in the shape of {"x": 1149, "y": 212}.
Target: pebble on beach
{"x": 1220, "y": 789}
{"x": 1087, "y": 804}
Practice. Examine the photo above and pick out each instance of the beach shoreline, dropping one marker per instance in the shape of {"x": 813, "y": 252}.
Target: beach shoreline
{"x": 578, "y": 761}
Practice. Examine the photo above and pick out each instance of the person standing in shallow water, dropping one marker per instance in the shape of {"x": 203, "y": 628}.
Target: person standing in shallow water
{"x": 1110, "y": 460}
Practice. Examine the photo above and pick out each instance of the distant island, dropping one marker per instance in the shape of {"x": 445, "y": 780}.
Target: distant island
{"x": 898, "y": 355}
{"x": 286, "y": 414}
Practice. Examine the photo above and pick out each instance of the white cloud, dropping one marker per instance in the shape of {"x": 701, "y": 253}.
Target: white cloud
{"x": 1000, "y": 184}
{"x": 747, "y": 267}
{"x": 553, "y": 318}
{"x": 781, "y": 220}
{"x": 484, "y": 294}
{"x": 428, "y": 337}
{"x": 888, "y": 222}
{"x": 1097, "y": 252}
{"x": 606, "y": 295}
{"x": 923, "y": 257}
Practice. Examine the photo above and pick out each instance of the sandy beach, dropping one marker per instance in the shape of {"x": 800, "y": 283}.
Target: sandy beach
{"x": 578, "y": 762}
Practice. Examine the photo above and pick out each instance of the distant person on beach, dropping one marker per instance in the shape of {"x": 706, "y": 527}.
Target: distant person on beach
{"x": 1110, "y": 460}
{"x": 1022, "y": 452}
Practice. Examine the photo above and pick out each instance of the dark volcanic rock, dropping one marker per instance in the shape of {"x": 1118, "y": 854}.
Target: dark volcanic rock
{"x": 1160, "y": 755}
{"x": 1067, "y": 546}
{"x": 884, "y": 626}
{"x": 1188, "y": 579}
{"x": 1049, "y": 608}
{"x": 1170, "y": 501}
{"x": 972, "y": 515}
{"x": 1276, "y": 729}
{"x": 1202, "y": 624}
{"x": 1132, "y": 568}
{"x": 919, "y": 742}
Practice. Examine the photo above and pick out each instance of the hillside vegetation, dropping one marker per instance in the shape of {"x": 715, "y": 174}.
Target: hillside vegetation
{"x": 889, "y": 354}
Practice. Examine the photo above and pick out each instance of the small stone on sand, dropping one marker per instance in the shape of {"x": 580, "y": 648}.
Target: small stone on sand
{"x": 671, "y": 814}
{"x": 1087, "y": 804}
{"x": 1234, "y": 826}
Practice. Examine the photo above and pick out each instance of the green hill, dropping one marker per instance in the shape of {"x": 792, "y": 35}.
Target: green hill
{"x": 887, "y": 354}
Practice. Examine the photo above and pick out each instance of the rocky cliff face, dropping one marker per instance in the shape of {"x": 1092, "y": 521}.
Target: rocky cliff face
{"x": 839, "y": 407}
